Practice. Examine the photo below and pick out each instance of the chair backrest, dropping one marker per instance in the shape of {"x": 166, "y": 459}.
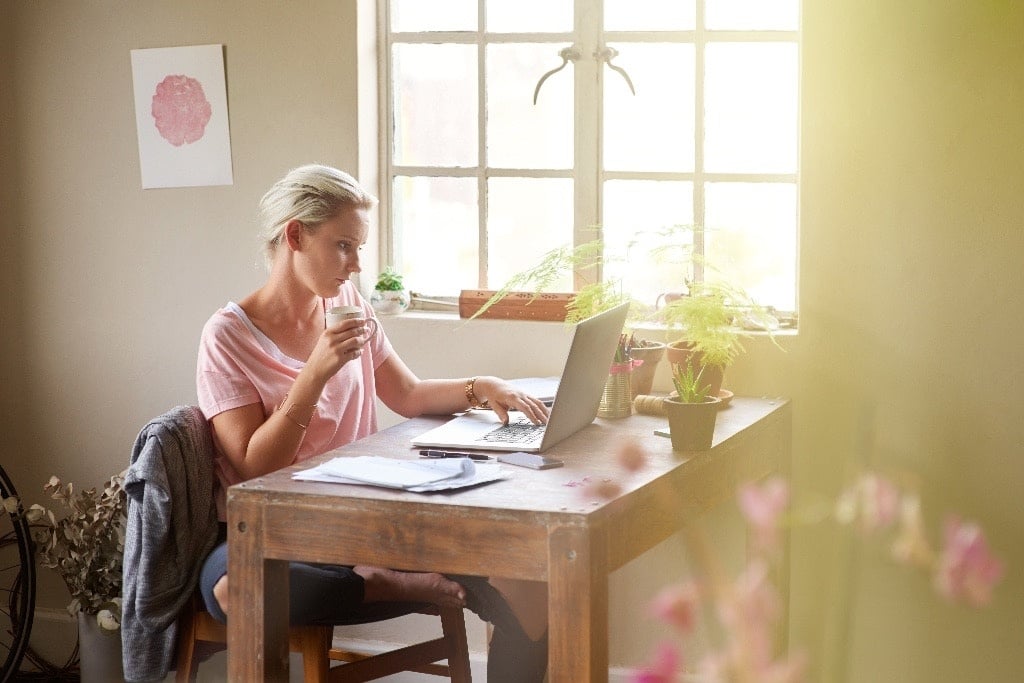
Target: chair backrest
{"x": 171, "y": 527}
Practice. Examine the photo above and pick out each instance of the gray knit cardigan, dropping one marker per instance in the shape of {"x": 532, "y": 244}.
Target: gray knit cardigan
{"x": 172, "y": 526}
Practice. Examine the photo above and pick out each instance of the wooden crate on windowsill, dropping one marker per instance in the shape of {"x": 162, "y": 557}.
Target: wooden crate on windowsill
{"x": 515, "y": 305}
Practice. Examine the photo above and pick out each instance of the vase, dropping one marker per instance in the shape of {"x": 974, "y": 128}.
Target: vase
{"x": 691, "y": 425}
{"x": 99, "y": 651}
{"x": 643, "y": 374}
{"x": 389, "y": 302}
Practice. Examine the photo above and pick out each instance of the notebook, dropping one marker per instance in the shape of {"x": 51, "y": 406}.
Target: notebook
{"x": 576, "y": 400}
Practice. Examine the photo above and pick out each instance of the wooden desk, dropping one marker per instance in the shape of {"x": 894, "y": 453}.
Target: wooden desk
{"x": 535, "y": 525}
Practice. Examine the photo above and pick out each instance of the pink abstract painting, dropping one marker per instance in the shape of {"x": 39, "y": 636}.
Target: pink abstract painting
{"x": 181, "y": 116}
{"x": 181, "y": 110}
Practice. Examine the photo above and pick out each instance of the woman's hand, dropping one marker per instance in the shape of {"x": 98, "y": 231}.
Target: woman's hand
{"x": 336, "y": 346}
{"x": 503, "y": 397}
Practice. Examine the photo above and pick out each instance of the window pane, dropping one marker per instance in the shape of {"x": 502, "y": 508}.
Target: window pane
{"x": 751, "y": 239}
{"x": 644, "y": 245}
{"x": 751, "y": 108}
{"x": 532, "y": 16}
{"x": 752, "y": 15}
{"x": 526, "y": 217}
{"x": 652, "y": 131}
{"x": 435, "y": 105}
{"x": 437, "y": 219}
{"x": 519, "y": 133}
{"x": 649, "y": 15}
{"x": 417, "y": 15}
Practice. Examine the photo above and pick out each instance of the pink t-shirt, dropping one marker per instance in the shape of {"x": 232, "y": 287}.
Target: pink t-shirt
{"x": 238, "y": 365}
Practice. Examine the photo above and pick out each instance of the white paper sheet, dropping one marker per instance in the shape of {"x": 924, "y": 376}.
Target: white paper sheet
{"x": 410, "y": 475}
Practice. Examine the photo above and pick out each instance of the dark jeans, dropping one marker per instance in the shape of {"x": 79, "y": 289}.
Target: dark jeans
{"x": 333, "y": 595}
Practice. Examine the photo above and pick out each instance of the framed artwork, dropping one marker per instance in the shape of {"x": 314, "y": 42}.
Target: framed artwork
{"x": 181, "y": 116}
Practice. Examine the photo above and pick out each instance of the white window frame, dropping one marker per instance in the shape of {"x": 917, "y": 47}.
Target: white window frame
{"x": 588, "y": 37}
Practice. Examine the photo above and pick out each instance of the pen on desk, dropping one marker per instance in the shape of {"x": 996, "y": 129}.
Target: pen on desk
{"x": 453, "y": 454}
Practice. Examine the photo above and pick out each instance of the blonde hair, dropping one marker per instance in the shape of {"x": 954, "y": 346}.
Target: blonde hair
{"x": 310, "y": 194}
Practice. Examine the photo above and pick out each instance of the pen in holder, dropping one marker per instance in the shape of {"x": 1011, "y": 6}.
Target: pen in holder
{"x": 617, "y": 398}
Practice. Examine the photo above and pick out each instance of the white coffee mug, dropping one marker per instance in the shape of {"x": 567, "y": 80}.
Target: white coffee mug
{"x": 339, "y": 313}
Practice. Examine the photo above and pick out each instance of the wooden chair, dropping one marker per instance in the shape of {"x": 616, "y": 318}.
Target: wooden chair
{"x": 196, "y": 625}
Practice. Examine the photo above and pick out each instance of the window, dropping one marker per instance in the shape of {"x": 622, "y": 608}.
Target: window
{"x": 518, "y": 126}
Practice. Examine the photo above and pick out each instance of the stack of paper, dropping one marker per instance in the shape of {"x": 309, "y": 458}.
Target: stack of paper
{"x": 409, "y": 475}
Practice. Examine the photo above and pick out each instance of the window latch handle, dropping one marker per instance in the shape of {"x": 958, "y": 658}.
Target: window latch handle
{"x": 567, "y": 54}
{"x": 607, "y": 54}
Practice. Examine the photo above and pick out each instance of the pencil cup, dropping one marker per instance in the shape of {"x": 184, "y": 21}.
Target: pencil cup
{"x": 616, "y": 400}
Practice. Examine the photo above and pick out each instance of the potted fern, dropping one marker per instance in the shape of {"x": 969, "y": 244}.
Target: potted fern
{"x": 389, "y": 293}
{"x": 535, "y": 284}
{"x": 707, "y": 321}
{"x": 692, "y": 411}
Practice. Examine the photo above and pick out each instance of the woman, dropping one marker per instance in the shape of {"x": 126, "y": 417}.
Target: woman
{"x": 279, "y": 386}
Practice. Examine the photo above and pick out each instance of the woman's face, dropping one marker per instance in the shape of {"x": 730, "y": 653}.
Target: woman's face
{"x": 330, "y": 254}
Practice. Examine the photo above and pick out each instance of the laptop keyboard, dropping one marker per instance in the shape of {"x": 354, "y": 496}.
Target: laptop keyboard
{"x": 520, "y": 431}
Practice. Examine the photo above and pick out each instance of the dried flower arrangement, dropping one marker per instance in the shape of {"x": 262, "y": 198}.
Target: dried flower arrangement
{"x": 85, "y": 546}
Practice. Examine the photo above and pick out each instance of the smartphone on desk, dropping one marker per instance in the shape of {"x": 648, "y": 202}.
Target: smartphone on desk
{"x": 534, "y": 461}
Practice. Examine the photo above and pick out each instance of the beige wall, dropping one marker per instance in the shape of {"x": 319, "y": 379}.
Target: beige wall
{"x": 911, "y": 246}
{"x": 117, "y": 281}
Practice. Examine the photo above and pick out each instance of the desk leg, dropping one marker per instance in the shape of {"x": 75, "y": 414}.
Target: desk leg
{"x": 257, "y": 604}
{"x": 577, "y": 605}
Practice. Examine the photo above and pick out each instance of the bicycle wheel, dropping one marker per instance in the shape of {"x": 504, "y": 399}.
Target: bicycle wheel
{"x": 17, "y": 584}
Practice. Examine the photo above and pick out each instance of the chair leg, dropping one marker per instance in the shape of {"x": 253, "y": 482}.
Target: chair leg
{"x": 314, "y": 642}
{"x": 453, "y": 623}
{"x": 186, "y": 650}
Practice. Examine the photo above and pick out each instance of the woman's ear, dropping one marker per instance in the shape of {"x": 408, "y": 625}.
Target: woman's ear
{"x": 294, "y": 231}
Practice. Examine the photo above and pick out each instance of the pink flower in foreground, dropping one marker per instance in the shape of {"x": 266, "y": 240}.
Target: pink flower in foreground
{"x": 911, "y": 545}
{"x": 606, "y": 489}
{"x": 788, "y": 670}
{"x": 678, "y": 605}
{"x": 722, "y": 667}
{"x": 664, "y": 668}
{"x": 631, "y": 455}
{"x": 873, "y": 503}
{"x": 762, "y": 506}
{"x": 967, "y": 569}
{"x": 749, "y": 615}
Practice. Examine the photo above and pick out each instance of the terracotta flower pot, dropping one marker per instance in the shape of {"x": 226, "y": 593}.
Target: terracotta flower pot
{"x": 643, "y": 375}
{"x": 680, "y": 353}
{"x": 691, "y": 425}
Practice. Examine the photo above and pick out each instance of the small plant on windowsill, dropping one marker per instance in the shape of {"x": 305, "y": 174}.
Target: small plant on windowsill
{"x": 389, "y": 293}
{"x": 389, "y": 281}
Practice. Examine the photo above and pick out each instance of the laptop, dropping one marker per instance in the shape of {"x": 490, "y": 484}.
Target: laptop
{"x": 575, "y": 406}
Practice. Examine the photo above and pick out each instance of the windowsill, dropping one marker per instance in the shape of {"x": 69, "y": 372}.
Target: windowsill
{"x": 656, "y": 331}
